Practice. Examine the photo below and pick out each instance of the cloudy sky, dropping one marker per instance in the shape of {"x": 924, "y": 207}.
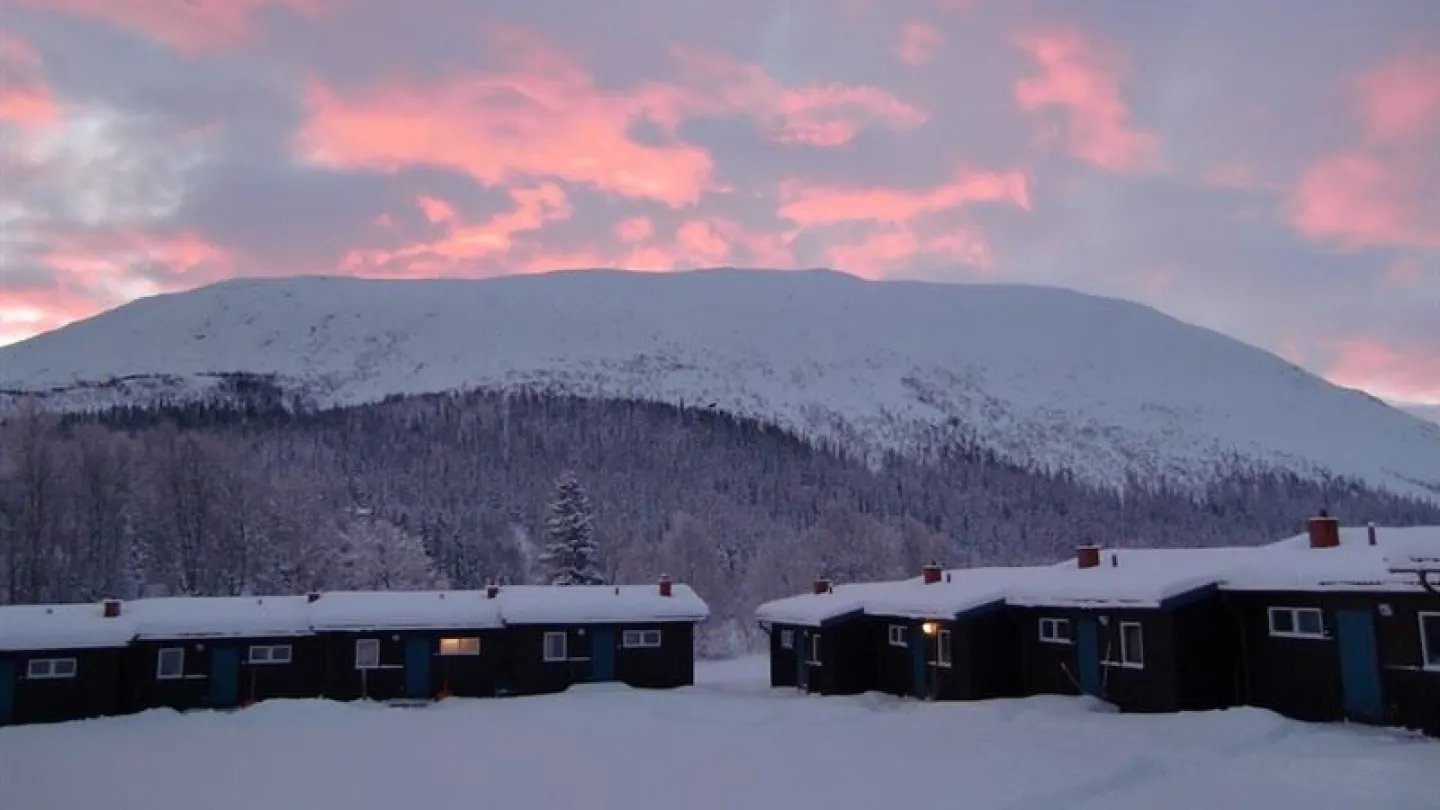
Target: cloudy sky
{"x": 1270, "y": 169}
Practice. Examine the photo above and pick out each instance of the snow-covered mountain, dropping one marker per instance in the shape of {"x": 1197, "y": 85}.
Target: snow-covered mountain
{"x": 1430, "y": 413}
{"x": 1101, "y": 386}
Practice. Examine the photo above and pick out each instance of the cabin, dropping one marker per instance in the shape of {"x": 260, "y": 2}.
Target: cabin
{"x": 1143, "y": 629}
{"x": 1336, "y": 624}
{"x": 822, "y": 642}
{"x": 61, "y": 662}
{"x": 639, "y": 635}
{"x": 410, "y": 645}
{"x": 220, "y": 652}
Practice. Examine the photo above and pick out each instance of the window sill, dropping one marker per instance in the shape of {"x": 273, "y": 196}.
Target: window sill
{"x": 1121, "y": 665}
{"x": 1300, "y": 636}
{"x": 1064, "y": 642}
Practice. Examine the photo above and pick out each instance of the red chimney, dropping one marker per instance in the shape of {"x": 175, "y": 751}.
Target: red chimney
{"x": 492, "y": 590}
{"x": 666, "y": 589}
{"x": 313, "y": 596}
{"x": 1087, "y": 556}
{"x": 1324, "y": 531}
{"x": 822, "y": 585}
{"x": 112, "y": 608}
{"x": 931, "y": 573}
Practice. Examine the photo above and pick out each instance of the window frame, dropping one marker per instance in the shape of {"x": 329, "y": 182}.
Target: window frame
{"x": 49, "y": 673}
{"x": 1054, "y": 622}
{"x": 898, "y": 635}
{"x": 1294, "y": 614}
{"x": 812, "y": 655}
{"x": 460, "y": 647}
{"x": 160, "y": 656}
{"x": 367, "y": 644}
{"x": 269, "y": 658}
{"x": 1429, "y": 647}
{"x": 545, "y": 651}
{"x": 787, "y": 638}
{"x": 1126, "y": 661}
{"x": 943, "y": 655}
{"x": 649, "y": 638}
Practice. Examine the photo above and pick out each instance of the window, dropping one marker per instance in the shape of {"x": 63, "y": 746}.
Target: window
{"x": 465, "y": 645}
{"x": 1055, "y": 631}
{"x": 942, "y": 649}
{"x": 170, "y": 664}
{"x": 367, "y": 653}
{"x": 1297, "y": 622}
{"x": 787, "y": 639}
{"x": 1132, "y": 645}
{"x": 40, "y": 669}
{"x": 898, "y": 635}
{"x": 556, "y": 647}
{"x": 1430, "y": 640}
{"x": 269, "y": 654}
{"x": 640, "y": 638}
{"x": 815, "y": 649}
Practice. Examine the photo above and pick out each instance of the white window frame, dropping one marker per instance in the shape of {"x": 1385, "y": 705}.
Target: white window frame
{"x": 942, "y": 649}
{"x": 361, "y": 661}
{"x": 787, "y": 639}
{"x": 161, "y": 655}
{"x": 269, "y": 654}
{"x": 458, "y": 646}
{"x": 1429, "y": 646}
{"x": 1127, "y": 658}
{"x": 813, "y": 654}
{"x": 1053, "y": 623}
{"x": 641, "y": 639}
{"x": 47, "y": 669}
{"x": 545, "y": 652}
{"x": 899, "y": 635}
{"x": 1294, "y": 613}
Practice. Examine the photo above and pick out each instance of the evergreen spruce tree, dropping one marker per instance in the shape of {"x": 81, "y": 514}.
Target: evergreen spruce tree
{"x": 570, "y": 557}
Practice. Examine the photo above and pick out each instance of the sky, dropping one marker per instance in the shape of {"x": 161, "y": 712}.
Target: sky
{"x": 1270, "y": 170}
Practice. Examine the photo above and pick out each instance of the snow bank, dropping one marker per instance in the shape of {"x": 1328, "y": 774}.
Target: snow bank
{"x": 579, "y": 604}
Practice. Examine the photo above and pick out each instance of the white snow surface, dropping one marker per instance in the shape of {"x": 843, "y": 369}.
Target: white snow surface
{"x": 62, "y": 627}
{"x": 218, "y": 617}
{"x": 728, "y": 743}
{"x": 582, "y": 604}
{"x": 1099, "y": 385}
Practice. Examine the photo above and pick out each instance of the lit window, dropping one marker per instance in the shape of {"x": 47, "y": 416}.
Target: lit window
{"x": 1297, "y": 622}
{"x": 1132, "y": 644}
{"x": 40, "y": 669}
{"x": 170, "y": 664}
{"x": 556, "y": 647}
{"x": 467, "y": 645}
{"x": 815, "y": 649}
{"x": 1055, "y": 631}
{"x": 898, "y": 635}
{"x": 269, "y": 654}
{"x": 641, "y": 638}
{"x": 942, "y": 648}
{"x": 367, "y": 653}
{"x": 1430, "y": 640}
{"x": 787, "y": 639}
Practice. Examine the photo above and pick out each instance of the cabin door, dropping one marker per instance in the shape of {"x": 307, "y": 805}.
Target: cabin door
{"x": 224, "y": 677}
{"x": 919, "y": 686}
{"x": 602, "y": 654}
{"x": 1359, "y": 665}
{"x": 1087, "y": 655}
{"x": 417, "y": 668}
{"x": 7, "y": 691}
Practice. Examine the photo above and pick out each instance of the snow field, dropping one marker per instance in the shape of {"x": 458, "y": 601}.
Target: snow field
{"x": 730, "y": 742}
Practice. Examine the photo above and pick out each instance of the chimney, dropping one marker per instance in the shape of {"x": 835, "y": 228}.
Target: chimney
{"x": 666, "y": 589}
{"x": 313, "y": 596}
{"x": 822, "y": 585}
{"x": 931, "y": 573}
{"x": 491, "y": 590}
{"x": 1087, "y": 557}
{"x": 112, "y": 608}
{"x": 1370, "y": 531}
{"x": 1324, "y": 531}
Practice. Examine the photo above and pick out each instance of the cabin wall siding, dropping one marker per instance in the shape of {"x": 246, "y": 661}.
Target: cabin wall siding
{"x": 1412, "y": 693}
{"x": 95, "y": 691}
{"x": 1206, "y": 661}
{"x": 782, "y": 660}
{"x": 1296, "y": 677}
{"x": 344, "y": 682}
{"x": 894, "y": 666}
{"x": 989, "y": 653}
{"x": 1047, "y": 668}
{"x": 146, "y": 691}
{"x": 670, "y": 665}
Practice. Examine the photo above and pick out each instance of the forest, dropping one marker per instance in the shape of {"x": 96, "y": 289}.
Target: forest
{"x": 454, "y": 490}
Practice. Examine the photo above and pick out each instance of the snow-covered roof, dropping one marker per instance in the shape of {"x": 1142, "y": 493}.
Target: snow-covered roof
{"x": 812, "y": 609}
{"x": 1140, "y": 578}
{"x": 218, "y": 616}
{"x": 1355, "y": 565}
{"x": 959, "y": 590}
{"x": 403, "y": 610}
{"x": 62, "y": 627}
{"x": 1412, "y": 547}
{"x": 593, "y": 604}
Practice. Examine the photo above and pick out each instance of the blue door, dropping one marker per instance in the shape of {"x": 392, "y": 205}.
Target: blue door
{"x": 1359, "y": 665}
{"x": 1087, "y": 654}
{"x": 917, "y": 663}
{"x": 602, "y": 654}
{"x": 7, "y": 691}
{"x": 224, "y": 677}
{"x": 417, "y": 668}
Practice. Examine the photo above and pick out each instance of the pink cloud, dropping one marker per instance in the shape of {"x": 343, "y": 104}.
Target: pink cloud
{"x": 1400, "y": 101}
{"x": 25, "y": 99}
{"x": 918, "y": 43}
{"x": 437, "y": 211}
{"x": 634, "y": 229}
{"x": 1410, "y": 373}
{"x": 191, "y": 26}
{"x": 827, "y": 205}
{"x": 1083, "y": 79}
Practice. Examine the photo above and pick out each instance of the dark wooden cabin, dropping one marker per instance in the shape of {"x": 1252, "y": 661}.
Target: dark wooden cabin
{"x": 1143, "y": 629}
{"x": 410, "y": 645}
{"x": 822, "y": 642}
{"x": 61, "y": 662}
{"x": 639, "y": 635}
{"x": 221, "y": 652}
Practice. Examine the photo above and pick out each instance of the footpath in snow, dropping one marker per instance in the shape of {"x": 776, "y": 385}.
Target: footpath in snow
{"x": 728, "y": 742}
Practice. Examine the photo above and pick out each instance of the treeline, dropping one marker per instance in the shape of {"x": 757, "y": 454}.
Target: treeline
{"x": 453, "y": 490}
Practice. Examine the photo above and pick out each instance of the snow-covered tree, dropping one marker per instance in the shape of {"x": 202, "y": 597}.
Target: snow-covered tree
{"x": 375, "y": 554}
{"x": 571, "y": 556}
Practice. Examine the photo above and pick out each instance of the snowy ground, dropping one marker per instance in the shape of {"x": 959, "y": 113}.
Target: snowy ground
{"x": 727, "y": 743}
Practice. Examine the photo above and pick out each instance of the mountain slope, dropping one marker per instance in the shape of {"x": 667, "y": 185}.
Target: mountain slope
{"x": 1097, "y": 385}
